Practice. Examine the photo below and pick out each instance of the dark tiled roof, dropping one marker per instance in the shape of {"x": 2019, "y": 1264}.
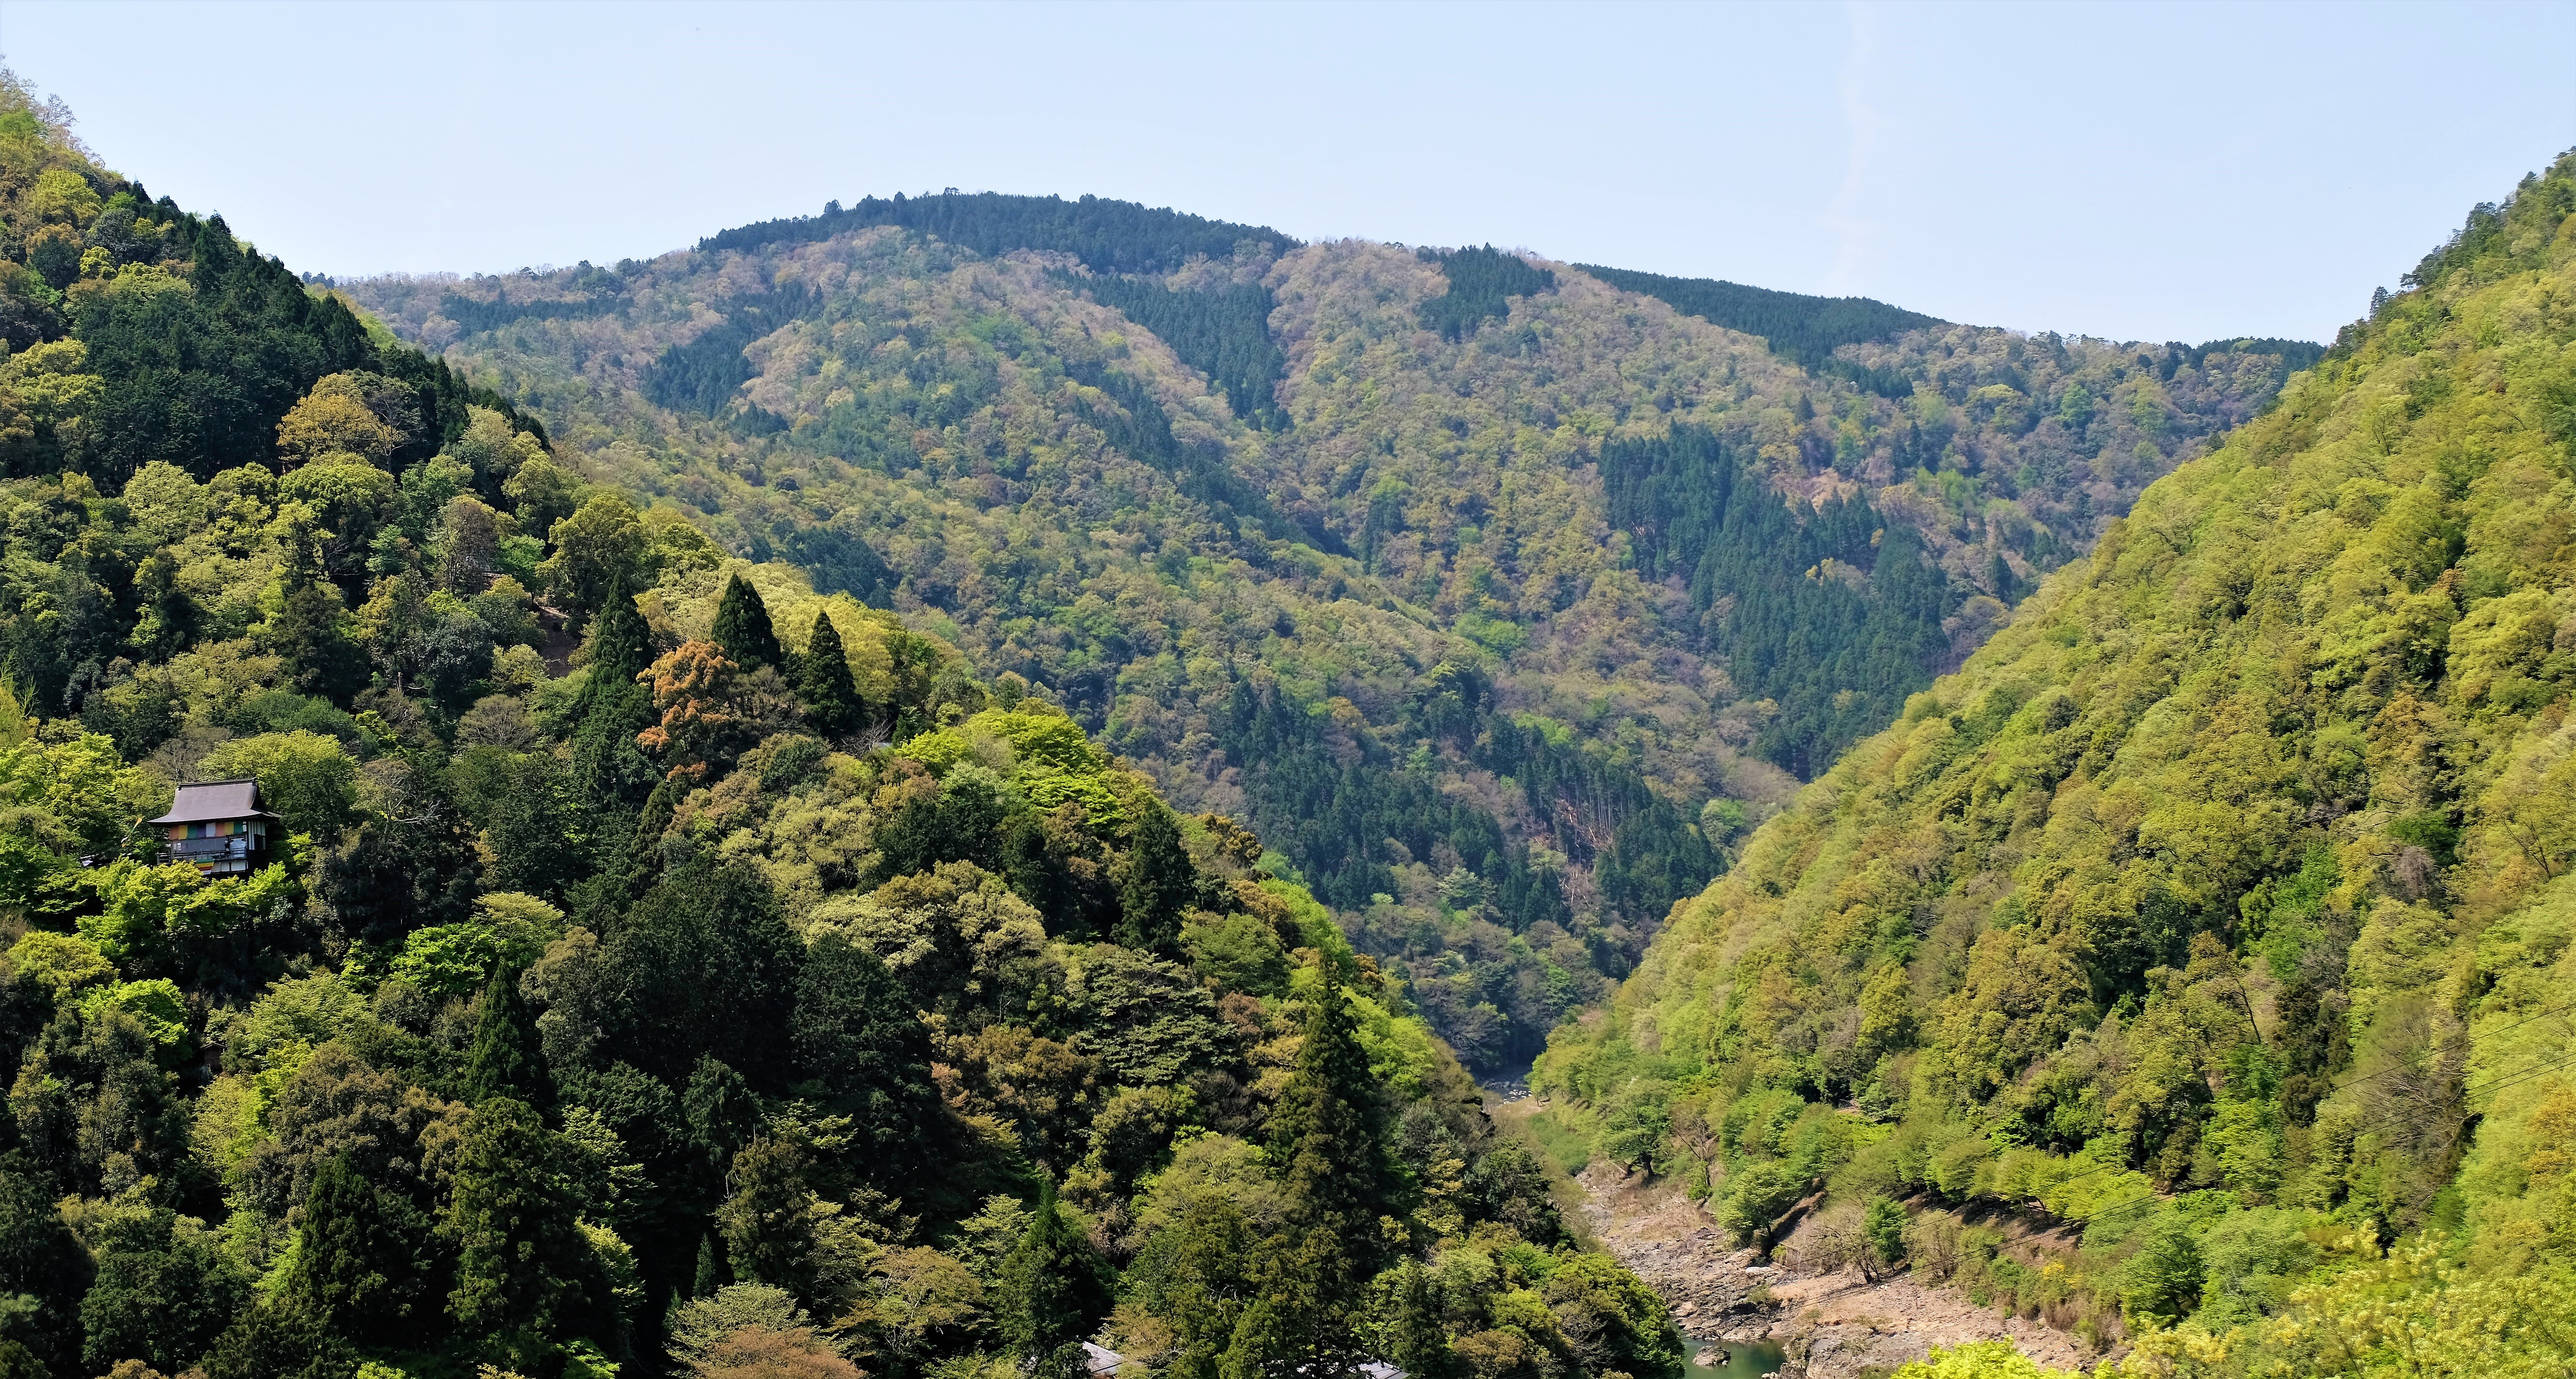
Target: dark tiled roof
{"x": 206, "y": 801}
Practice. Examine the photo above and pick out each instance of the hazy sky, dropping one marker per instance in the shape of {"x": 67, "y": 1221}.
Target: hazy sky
{"x": 2141, "y": 172}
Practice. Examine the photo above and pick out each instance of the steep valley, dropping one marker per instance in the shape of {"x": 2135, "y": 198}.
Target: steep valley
{"x": 1517, "y": 600}
{"x": 977, "y": 785}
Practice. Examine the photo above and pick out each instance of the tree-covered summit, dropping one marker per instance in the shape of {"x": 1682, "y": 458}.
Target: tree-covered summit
{"x": 1108, "y": 236}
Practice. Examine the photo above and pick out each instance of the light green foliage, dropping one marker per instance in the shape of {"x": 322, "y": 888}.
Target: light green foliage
{"x": 144, "y": 908}
{"x": 305, "y": 778}
{"x": 1884, "y": 1224}
{"x": 155, "y": 1003}
{"x": 508, "y": 932}
{"x": 1981, "y": 1360}
{"x": 58, "y": 803}
{"x": 63, "y": 962}
{"x": 699, "y": 1323}
{"x": 2228, "y": 875}
{"x": 1613, "y": 1321}
{"x": 298, "y": 1012}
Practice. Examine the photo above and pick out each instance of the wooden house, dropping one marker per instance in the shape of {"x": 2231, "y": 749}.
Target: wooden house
{"x": 219, "y": 826}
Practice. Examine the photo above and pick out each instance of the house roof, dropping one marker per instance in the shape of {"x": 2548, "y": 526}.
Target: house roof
{"x": 205, "y": 801}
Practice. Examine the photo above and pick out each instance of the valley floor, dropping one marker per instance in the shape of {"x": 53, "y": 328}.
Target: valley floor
{"x": 1840, "y": 1325}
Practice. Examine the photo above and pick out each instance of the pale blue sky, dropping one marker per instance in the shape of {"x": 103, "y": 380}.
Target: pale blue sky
{"x": 2149, "y": 172}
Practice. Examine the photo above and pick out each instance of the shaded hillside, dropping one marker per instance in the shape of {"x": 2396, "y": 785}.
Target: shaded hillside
{"x": 1795, "y": 325}
{"x": 1402, "y": 623}
{"x": 2218, "y": 904}
{"x": 767, "y": 989}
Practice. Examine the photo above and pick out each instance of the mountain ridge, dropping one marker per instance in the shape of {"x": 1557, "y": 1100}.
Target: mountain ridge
{"x": 1431, "y": 478}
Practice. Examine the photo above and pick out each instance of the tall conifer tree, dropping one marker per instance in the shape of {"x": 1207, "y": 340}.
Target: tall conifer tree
{"x": 743, "y": 628}
{"x": 505, "y": 1060}
{"x": 1158, "y": 884}
{"x": 359, "y": 1265}
{"x": 823, "y": 681}
{"x": 1327, "y": 1134}
{"x": 609, "y": 772}
{"x": 1054, "y": 1288}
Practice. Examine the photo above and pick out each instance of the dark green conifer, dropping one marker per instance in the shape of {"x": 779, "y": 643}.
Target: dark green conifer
{"x": 743, "y": 629}
{"x": 832, "y": 703}
{"x": 855, "y": 1037}
{"x": 621, "y": 646}
{"x": 610, "y": 775}
{"x": 1326, "y": 1133}
{"x": 359, "y": 1264}
{"x": 1054, "y": 1286}
{"x": 1158, "y": 885}
{"x": 522, "y": 1263}
{"x": 505, "y": 1059}
{"x": 711, "y": 1273}
{"x": 1411, "y": 1334}
{"x": 279, "y": 1340}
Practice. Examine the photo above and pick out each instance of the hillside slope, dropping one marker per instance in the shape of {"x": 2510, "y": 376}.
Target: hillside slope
{"x": 1377, "y": 548}
{"x": 593, "y": 989}
{"x": 2219, "y": 903}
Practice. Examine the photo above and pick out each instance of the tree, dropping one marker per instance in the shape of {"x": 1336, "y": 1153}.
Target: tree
{"x": 823, "y": 682}
{"x": 96, "y": 1109}
{"x": 697, "y": 694}
{"x": 599, "y": 549}
{"x": 41, "y": 1259}
{"x": 1982, "y": 1360}
{"x": 1612, "y": 1319}
{"x": 753, "y": 1352}
{"x": 162, "y": 1294}
{"x": 412, "y": 866}
{"x": 610, "y": 774}
{"x": 698, "y": 969}
{"x": 278, "y": 1340}
{"x": 333, "y": 422}
{"x": 1157, "y": 886}
{"x": 621, "y": 642}
{"x": 767, "y": 1222}
{"x": 1328, "y": 1130}
{"x": 363, "y": 1259}
{"x": 1054, "y": 1287}
{"x": 1327, "y": 1136}
{"x": 305, "y": 778}
{"x": 505, "y": 1060}
{"x": 2162, "y": 1281}
{"x": 1883, "y": 1222}
{"x": 743, "y": 630}
{"x": 956, "y": 937}
{"x": 310, "y": 633}
{"x": 1410, "y": 1335}
{"x": 539, "y": 491}
{"x": 855, "y": 1034}
{"x": 523, "y": 1267}
{"x": 536, "y": 830}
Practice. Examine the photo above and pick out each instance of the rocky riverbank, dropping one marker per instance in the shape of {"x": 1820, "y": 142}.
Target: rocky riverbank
{"x": 1833, "y": 1326}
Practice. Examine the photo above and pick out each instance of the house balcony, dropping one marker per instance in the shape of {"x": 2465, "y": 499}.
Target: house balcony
{"x": 207, "y": 852}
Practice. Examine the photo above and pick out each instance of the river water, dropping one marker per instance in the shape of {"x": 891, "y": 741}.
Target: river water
{"x": 1745, "y": 1359}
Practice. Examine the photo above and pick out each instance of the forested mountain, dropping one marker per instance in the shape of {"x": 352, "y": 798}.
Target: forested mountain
{"x": 641, "y": 960}
{"x": 1498, "y": 600}
{"x": 2214, "y": 915}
